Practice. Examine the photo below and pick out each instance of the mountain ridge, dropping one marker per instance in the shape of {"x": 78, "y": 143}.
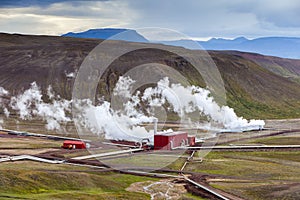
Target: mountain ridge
{"x": 284, "y": 47}
{"x": 109, "y": 33}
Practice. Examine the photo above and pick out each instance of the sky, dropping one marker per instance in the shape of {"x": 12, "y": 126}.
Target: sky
{"x": 198, "y": 19}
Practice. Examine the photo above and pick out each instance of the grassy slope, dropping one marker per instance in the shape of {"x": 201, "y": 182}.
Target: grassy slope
{"x": 289, "y": 68}
{"x": 254, "y": 91}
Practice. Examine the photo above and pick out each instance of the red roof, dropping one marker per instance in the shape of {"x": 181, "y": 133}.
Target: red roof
{"x": 73, "y": 142}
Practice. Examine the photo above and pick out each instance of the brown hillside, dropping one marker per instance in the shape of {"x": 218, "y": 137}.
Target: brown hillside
{"x": 253, "y": 89}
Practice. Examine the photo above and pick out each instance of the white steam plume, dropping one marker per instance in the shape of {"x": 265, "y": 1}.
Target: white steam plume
{"x": 192, "y": 98}
{"x": 70, "y": 75}
{"x": 103, "y": 120}
{"x": 124, "y": 123}
{"x": 3, "y": 93}
{"x": 30, "y": 104}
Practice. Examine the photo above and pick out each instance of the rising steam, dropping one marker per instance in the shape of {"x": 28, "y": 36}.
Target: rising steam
{"x": 30, "y": 105}
{"x": 185, "y": 100}
{"x": 124, "y": 122}
{"x": 3, "y": 94}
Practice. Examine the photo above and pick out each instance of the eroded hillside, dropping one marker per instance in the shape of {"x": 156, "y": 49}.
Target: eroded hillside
{"x": 254, "y": 87}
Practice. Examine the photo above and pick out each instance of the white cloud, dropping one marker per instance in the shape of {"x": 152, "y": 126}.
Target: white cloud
{"x": 63, "y": 17}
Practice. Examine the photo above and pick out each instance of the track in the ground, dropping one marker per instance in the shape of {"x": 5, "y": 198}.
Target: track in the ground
{"x": 276, "y": 133}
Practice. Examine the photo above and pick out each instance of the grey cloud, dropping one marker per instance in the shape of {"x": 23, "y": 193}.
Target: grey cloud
{"x": 222, "y": 18}
{"x": 197, "y": 18}
{"x": 279, "y": 13}
{"x": 42, "y": 3}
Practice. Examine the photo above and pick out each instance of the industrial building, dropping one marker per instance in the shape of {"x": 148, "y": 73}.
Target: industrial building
{"x": 71, "y": 144}
{"x": 171, "y": 140}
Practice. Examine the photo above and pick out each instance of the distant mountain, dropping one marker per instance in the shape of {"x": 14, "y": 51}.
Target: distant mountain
{"x": 220, "y": 43}
{"x": 109, "y": 33}
{"x": 285, "y": 47}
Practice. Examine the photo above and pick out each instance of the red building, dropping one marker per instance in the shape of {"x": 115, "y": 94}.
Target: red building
{"x": 72, "y": 144}
{"x": 168, "y": 141}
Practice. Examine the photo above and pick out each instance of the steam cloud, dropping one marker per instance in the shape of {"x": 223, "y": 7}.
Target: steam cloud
{"x": 192, "y": 98}
{"x": 30, "y": 104}
{"x": 124, "y": 123}
{"x": 3, "y": 93}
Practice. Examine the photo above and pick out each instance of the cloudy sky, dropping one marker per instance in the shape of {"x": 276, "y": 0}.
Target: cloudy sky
{"x": 196, "y": 18}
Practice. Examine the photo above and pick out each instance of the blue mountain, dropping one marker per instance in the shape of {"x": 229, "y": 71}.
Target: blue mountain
{"x": 286, "y": 47}
{"x": 109, "y": 33}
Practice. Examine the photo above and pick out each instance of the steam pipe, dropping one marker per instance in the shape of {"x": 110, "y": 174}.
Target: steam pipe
{"x": 155, "y": 120}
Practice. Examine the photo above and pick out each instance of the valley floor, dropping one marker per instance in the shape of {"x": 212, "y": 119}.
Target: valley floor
{"x": 242, "y": 174}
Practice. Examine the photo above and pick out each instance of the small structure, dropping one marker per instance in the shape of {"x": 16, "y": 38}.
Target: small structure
{"x": 125, "y": 143}
{"x": 71, "y": 144}
{"x": 192, "y": 140}
{"x": 168, "y": 141}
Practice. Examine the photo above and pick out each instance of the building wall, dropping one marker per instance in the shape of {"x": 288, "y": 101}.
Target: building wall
{"x": 164, "y": 141}
{"x": 78, "y": 145}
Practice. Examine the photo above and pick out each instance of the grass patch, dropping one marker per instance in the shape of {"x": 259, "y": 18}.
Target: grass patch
{"x": 189, "y": 196}
{"x": 279, "y": 140}
{"x": 276, "y": 191}
{"x": 250, "y": 164}
{"x": 28, "y": 143}
{"x": 265, "y": 175}
{"x": 42, "y": 181}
